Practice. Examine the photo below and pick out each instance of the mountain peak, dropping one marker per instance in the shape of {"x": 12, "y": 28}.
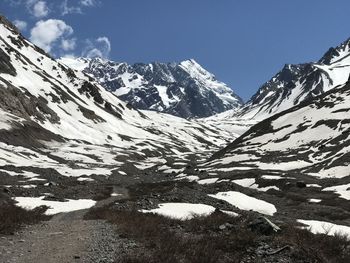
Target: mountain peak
{"x": 336, "y": 53}
{"x": 195, "y": 69}
{"x": 297, "y": 83}
{"x": 190, "y": 61}
{"x": 183, "y": 89}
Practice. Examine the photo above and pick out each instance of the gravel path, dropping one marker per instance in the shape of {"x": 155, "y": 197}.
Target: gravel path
{"x": 65, "y": 238}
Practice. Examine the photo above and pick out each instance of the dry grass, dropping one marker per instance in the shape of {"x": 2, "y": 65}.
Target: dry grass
{"x": 316, "y": 248}
{"x": 167, "y": 240}
{"x": 13, "y": 217}
{"x": 200, "y": 240}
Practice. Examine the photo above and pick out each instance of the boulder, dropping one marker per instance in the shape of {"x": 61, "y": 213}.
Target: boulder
{"x": 263, "y": 226}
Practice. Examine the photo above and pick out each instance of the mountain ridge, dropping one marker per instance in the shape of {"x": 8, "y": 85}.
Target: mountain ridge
{"x": 182, "y": 89}
{"x": 298, "y": 82}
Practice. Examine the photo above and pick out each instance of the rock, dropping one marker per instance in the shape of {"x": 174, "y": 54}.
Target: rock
{"x": 300, "y": 184}
{"x": 52, "y": 184}
{"x": 263, "y": 226}
{"x": 226, "y": 226}
{"x": 222, "y": 227}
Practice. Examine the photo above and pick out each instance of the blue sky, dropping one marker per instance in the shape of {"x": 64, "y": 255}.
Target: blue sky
{"x": 243, "y": 42}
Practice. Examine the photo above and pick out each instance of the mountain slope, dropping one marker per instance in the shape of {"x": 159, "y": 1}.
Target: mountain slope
{"x": 311, "y": 138}
{"x": 58, "y": 118}
{"x": 297, "y": 83}
{"x": 185, "y": 89}
{"x": 297, "y": 160}
{"x": 67, "y": 142}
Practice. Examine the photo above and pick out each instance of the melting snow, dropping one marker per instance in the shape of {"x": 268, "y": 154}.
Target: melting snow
{"x": 342, "y": 190}
{"x": 230, "y": 213}
{"x": 314, "y": 200}
{"x": 313, "y": 185}
{"x": 182, "y": 211}
{"x": 245, "y": 202}
{"x": 55, "y": 207}
{"x": 250, "y": 183}
{"x": 208, "y": 181}
{"x": 322, "y": 227}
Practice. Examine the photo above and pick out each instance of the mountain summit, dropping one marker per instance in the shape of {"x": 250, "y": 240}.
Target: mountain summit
{"x": 182, "y": 89}
{"x": 297, "y": 83}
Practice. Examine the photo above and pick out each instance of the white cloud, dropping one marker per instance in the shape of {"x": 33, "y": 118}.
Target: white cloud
{"x": 46, "y": 33}
{"x": 68, "y": 44}
{"x": 100, "y": 47}
{"x": 88, "y": 2}
{"x": 39, "y": 9}
{"x": 20, "y": 24}
{"x": 68, "y": 8}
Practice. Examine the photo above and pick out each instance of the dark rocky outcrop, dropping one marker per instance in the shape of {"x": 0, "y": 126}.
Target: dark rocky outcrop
{"x": 5, "y": 64}
{"x": 24, "y": 105}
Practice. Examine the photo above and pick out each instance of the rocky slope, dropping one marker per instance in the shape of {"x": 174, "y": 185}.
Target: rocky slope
{"x": 312, "y": 138}
{"x": 183, "y": 89}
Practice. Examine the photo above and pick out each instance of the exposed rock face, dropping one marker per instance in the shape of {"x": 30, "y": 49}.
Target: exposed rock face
{"x": 14, "y": 101}
{"x": 182, "y": 89}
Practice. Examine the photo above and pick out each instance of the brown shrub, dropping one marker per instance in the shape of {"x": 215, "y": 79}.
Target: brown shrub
{"x": 200, "y": 240}
{"x": 168, "y": 240}
{"x": 13, "y": 217}
{"x": 316, "y": 248}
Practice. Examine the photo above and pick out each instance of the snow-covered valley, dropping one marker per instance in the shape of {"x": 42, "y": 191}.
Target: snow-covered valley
{"x": 70, "y": 142}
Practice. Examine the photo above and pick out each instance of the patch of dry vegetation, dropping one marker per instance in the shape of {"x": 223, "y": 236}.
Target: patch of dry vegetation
{"x": 316, "y": 248}
{"x": 168, "y": 240}
{"x": 201, "y": 240}
{"x": 13, "y": 217}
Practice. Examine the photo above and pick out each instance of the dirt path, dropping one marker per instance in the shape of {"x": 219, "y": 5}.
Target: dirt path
{"x": 65, "y": 238}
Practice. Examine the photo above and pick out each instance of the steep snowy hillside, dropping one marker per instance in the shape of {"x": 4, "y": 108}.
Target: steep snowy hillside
{"x": 297, "y": 83}
{"x": 54, "y": 117}
{"x": 312, "y": 137}
{"x": 185, "y": 89}
{"x": 296, "y": 162}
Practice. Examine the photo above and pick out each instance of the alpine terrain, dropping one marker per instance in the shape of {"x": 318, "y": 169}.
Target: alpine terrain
{"x": 109, "y": 162}
{"x": 183, "y": 89}
{"x": 298, "y": 83}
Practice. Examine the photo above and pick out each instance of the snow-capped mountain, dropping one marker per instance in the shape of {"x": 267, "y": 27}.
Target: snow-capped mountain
{"x": 312, "y": 138}
{"x": 297, "y": 83}
{"x": 297, "y": 160}
{"x": 51, "y": 115}
{"x": 65, "y": 140}
{"x": 183, "y": 89}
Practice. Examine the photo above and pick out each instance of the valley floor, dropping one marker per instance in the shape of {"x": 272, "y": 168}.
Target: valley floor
{"x": 115, "y": 230}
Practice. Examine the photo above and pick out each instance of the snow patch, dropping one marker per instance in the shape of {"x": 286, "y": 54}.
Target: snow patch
{"x": 322, "y": 227}
{"x": 245, "y": 202}
{"x": 181, "y": 211}
{"x": 54, "y": 206}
